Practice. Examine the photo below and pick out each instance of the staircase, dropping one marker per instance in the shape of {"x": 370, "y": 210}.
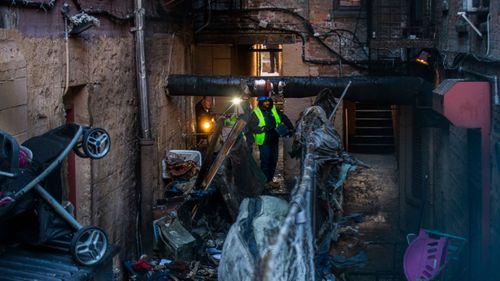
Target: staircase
{"x": 374, "y": 132}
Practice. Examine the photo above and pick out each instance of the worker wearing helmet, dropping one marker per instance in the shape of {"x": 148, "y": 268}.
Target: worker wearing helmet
{"x": 267, "y": 124}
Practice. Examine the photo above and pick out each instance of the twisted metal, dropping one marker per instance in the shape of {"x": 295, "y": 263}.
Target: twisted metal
{"x": 325, "y": 166}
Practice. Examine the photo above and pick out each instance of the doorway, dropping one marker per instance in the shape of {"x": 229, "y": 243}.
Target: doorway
{"x": 78, "y": 170}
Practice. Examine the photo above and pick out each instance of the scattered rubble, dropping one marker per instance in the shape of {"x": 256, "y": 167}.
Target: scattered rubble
{"x": 270, "y": 239}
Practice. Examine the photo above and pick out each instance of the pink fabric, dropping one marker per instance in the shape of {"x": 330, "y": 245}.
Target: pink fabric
{"x": 6, "y": 201}
{"x": 23, "y": 159}
{"x": 142, "y": 265}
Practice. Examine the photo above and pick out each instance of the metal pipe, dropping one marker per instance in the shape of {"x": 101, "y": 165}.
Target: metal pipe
{"x": 464, "y": 16}
{"x": 331, "y": 118}
{"x": 389, "y": 90}
{"x": 142, "y": 85}
{"x": 145, "y": 194}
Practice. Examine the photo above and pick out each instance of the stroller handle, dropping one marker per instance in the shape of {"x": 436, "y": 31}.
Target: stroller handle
{"x": 9, "y": 175}
{"x": 52, "y": 166}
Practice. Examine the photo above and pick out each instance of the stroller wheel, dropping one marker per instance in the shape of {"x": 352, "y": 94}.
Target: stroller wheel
{"x": 78, "y": 150}
{"x": 96, "y": 143}
{"x": 89, "y": 245}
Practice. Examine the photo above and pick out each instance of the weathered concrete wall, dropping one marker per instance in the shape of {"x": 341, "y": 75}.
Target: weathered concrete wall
{"x": 13, "y": 91}
{"x": 102, "y": 71}
{"x": 106, "y": 67}
{"x": 172, "y": 118}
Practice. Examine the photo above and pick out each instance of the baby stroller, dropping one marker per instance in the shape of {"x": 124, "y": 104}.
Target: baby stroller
{"x": 31, "y": 189}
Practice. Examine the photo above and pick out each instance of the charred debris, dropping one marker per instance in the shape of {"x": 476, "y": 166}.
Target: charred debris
{"x": 218, "y": 221}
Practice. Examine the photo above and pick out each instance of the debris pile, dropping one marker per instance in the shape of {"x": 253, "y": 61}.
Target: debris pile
{"x": 191, "y": 223}
{"x": 307, "y": 238}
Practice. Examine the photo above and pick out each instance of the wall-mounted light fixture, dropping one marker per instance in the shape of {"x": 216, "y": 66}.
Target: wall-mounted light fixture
{"x": 423, "y": 58}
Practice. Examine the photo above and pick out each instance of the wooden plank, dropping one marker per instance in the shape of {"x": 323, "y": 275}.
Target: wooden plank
{"x": 212, "y": 143}
{"x": 224, "y": 152}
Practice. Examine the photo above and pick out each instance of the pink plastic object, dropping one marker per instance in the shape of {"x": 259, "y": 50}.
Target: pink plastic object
{"x": 23, "y": 159}
{"x": 425, "y": 257}
{"x": 25, "y": 156}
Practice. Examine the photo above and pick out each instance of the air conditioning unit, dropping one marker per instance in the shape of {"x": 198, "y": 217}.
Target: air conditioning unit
{"x": 476, "y": 5}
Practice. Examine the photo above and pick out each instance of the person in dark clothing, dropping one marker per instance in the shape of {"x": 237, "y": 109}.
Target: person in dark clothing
{"x": 205, "y": 119}
{"x": 267, "y": 125}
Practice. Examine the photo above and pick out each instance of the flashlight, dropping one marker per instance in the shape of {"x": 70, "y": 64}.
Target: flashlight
{"x": 236, "y": 100}
{"x": 207, "y": 125}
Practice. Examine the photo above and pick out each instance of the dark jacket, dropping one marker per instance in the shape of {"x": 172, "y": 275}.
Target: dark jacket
{"x": 271, "y": 134}
{"x": 201, "y": 115}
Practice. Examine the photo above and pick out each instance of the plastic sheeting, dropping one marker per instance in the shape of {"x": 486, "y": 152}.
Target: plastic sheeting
{"x": 239, "y": 177}
{"x": 247, "y": 242}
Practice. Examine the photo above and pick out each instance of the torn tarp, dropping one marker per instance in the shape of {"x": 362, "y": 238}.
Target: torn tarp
{"x": 248, "y": 240}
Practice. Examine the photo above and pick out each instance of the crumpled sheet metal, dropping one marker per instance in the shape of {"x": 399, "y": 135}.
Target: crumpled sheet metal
{"x": 325, "y": 166}
{"x": 315, "y": 129}
{"x": 289, "y": 252}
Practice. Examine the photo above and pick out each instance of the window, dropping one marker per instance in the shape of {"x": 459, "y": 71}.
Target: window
{"x": 476, "y": 5}
{"x": 347, "y": 4}
{"x": 350, "y": 3}
{"x": 348, "y": 7}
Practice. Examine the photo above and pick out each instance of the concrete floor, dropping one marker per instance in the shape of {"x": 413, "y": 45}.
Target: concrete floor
{"x": 374, "y": 192}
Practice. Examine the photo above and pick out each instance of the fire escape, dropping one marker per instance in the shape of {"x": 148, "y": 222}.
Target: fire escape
{"x": 233, "y": 22}
{"x": 402, "y": 24}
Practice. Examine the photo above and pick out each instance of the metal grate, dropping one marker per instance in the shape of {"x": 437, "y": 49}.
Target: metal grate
{"x": 396, "y": 19}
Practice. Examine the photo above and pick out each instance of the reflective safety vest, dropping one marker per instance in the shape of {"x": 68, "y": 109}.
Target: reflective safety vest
{"x": 259, "y": 138}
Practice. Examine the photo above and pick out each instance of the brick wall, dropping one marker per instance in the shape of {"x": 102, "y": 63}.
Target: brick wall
{"x": 452, "y": 42}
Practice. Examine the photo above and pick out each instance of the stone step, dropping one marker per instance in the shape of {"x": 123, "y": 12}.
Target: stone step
{"x": 374, "y": 122}
{"x": 372, "y": 139}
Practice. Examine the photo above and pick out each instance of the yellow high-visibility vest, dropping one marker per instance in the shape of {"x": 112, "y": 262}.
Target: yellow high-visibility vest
{"x": 259, "y": 138}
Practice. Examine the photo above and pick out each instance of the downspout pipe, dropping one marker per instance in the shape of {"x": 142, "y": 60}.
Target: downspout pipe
{"x": 142, "y": 84}
{"x": 369, "y": 89}
{"x": 145, "y": 193}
